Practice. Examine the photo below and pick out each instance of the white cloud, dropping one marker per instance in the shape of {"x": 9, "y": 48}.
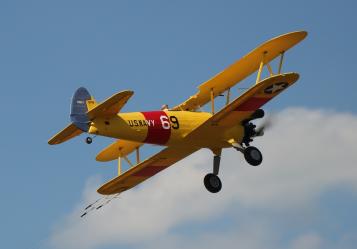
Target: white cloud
{"x": 307, "y": 241}
{"x": 306, "y": 153}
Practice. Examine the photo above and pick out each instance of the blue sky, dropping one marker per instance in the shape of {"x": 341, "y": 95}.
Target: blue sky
{"x": 162, "y": 50}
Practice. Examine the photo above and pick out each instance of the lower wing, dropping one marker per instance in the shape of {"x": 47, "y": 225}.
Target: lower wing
{"x": 145, "y": 169}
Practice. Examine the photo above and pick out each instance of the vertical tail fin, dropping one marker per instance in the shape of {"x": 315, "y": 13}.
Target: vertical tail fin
{"x": 81, "y": 103}
{"x": 79, "y": 109}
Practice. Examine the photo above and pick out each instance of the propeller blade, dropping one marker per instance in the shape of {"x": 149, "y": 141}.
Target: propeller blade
{"x": 267, "y": 123}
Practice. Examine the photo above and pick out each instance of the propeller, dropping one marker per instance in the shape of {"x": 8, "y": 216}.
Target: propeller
{"x": 251, "y": 130}
{"x": 267, "y": 123}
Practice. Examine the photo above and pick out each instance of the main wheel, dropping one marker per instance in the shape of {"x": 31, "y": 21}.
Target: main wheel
{"x": 253, "y": 156}
{"x": 89, "y": 140}
{"x": 212, "y": 183}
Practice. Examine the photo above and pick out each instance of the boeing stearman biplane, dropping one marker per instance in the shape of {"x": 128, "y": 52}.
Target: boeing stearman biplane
{"x": 183, "y": 129}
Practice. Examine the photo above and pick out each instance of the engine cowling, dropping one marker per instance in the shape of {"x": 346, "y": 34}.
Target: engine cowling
{"x": 249, "y": 127}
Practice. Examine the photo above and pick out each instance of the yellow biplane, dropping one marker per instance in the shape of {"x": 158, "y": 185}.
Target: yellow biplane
{"x": 184, "y": 129}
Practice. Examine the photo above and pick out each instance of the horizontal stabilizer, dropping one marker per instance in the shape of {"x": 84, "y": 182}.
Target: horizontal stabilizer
{"x": 110, "y": 106}
{"x": 67, "y": 133}
{"x": 118, "y": 149}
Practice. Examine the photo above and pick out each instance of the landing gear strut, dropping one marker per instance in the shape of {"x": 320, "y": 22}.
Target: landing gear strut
{"x": 212, "y": 182}
{"x": 251, "y": 154}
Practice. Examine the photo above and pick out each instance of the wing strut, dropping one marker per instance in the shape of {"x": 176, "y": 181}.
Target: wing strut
{"x": 228, "y": 96}
{"x": 119, "y": 163}
{"x": 119, "y": 166}
{"x": 212, "y": 101}
{"x": 281, "y": 61}
{"x": 137, "y": 149}
{"x": 137, "y": 155}
{"x": 261, "y": 65}
{"x": 269, "y": 69}
{"x": 128, "y": 161}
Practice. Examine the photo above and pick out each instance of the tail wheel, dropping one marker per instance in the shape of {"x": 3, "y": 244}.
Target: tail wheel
{"x": 253, "y": 156}
{"x": 89, "y": 140}
{"x": 212, "y": 183}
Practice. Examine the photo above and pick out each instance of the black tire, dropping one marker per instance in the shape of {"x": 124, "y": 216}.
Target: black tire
{"x": 89, "y": 140}
{"x": 253, "y": 156}
{"x": 212, "y": 183}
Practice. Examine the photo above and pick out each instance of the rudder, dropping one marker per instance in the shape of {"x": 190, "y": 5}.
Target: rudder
{"x": 79, "y": 109}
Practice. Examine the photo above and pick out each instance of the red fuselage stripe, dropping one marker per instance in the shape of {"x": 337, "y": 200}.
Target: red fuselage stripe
{"x": 252, "y": 104}
{"x": 157, "y": 134}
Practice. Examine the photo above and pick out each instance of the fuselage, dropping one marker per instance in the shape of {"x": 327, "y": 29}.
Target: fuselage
{"x": 168, "y": 128}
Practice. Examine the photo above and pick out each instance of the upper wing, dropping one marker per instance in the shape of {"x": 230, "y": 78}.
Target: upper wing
{"x": 241, "y": 69}
{"x": 243, "y": 107}
{"x": 110, "y": 106}
{"x": 145, "y": 170}
{"x": 67, "y": 133}
{"x": 117, "y": 149}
